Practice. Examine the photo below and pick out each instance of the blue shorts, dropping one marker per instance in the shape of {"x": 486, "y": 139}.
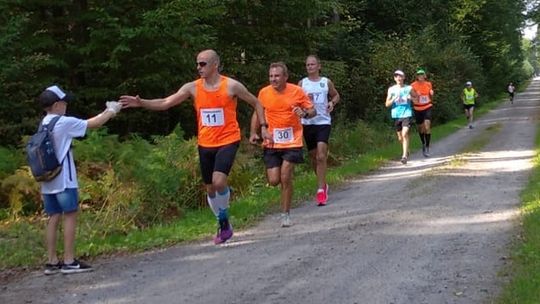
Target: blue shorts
{"x": 62, "y": 202}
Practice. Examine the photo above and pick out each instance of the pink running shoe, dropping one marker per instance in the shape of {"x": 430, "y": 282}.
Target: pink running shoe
{"x": 322, "y": 196}
{"x": 223, "y": 234}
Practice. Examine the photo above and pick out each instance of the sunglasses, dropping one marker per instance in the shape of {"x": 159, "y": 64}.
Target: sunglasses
{"x": 202, "y": 63}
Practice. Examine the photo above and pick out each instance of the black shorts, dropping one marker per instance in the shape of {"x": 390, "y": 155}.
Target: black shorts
{"x": 314, "y": 134}
{"x": 275, "y": 157}
{"x": 468, "y": 106}
{"x": 420, "y": 116}
{"x": 399, "y": 123}
{"x": 218, "y": 159}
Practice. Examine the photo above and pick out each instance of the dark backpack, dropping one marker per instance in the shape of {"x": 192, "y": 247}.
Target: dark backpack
{"x": 40, "y": 153}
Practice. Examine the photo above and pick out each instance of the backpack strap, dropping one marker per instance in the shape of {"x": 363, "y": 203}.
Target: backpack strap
{"x": 50, "y": 125}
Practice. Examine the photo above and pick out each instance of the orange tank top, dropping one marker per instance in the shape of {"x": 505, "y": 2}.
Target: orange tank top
{"x": 424, "y": 97}
{"x": 216, "y": 115}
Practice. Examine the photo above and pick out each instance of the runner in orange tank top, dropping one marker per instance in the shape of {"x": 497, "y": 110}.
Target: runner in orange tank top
{"x": 214, "y": 98}
{"x": 423, "y": 102}
{"x": 284, "y": 104}
{"x": 216, "y": 113}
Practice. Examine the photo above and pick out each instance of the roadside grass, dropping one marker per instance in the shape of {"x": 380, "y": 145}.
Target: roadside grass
{"x": 524, "y": 272}
{"x": 22, "y": 245}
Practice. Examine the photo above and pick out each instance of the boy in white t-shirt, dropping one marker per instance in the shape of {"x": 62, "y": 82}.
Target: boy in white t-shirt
{"x": 60, "y": 195}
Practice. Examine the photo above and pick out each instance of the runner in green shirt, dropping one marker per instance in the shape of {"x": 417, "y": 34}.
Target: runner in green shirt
{"x": 468, "y": 96}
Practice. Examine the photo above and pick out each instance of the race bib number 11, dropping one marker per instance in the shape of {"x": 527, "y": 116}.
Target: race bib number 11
{"x": 283, "y": 135}
{"x": 212, "y": 117}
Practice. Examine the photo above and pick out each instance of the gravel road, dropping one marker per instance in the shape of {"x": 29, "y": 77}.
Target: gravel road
{"x": 437, "y": 230}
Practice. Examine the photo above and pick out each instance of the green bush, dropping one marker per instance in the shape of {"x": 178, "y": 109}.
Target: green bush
{"x": 21, "y": 192}
{"x": 10, "y": 160}
{"x": 134, "y": 184}
{"x": 351, "y": 140}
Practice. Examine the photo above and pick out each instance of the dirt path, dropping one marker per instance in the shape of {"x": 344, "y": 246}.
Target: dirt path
{"x": 435, "y": 231}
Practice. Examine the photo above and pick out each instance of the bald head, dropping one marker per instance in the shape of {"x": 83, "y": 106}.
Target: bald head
{"x": 208, "y": 64}
{"x": 210, "y": 55}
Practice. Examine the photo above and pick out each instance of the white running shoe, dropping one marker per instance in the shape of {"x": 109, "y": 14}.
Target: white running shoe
{"x": 285, "y": 220}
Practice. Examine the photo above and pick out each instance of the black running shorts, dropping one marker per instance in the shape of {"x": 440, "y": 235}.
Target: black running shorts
{"x": 399, "y": 123}
{"x": 420, "y": 116}
{"x": 275, "y": 157}
{"x": 314, "y": 134}
{"x": 219, "y": 159}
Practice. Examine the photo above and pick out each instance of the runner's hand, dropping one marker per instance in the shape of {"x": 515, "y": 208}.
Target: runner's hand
{"x": 130, "y": 101}
{"x": 299, "y": 112}
{"x": 254, "y": 139}
{"x": 330, "y": 107}
{"x": 267, "y": 137}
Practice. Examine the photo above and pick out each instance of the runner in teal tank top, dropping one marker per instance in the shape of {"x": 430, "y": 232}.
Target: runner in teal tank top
{"x": 399, "y": 99}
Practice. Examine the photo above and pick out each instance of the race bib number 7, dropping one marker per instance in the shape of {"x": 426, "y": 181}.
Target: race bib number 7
{"x": 212, "y": 117}
{"x": 283, "y": 135}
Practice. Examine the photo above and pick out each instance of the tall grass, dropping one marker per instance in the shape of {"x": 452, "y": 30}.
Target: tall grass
{"x": 524, "y": 271}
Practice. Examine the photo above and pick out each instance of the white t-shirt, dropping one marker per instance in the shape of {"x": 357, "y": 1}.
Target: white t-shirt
{"x": 317, "y": 91}
{"x": 64, "y": 131}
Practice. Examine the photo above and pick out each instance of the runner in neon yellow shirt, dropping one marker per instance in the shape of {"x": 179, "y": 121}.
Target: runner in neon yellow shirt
{"x": 468, "y": 96}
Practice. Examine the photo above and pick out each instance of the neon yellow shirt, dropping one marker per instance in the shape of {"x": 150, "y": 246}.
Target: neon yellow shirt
{"x": 470, "y": 96}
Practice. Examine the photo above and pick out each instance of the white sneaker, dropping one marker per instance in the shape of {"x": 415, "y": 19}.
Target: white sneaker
{"x": 285, "y": 220}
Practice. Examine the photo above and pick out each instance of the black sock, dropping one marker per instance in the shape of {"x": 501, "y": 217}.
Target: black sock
{"x": 428, "y": 139}
{"x": 422, "y": 138}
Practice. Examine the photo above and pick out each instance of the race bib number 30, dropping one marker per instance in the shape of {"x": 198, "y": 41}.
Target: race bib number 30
{"x": 283, "y": 135}
{"x": 212, "y": 117}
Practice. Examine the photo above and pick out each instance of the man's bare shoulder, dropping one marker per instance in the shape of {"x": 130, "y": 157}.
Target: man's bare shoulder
{"x": 188, "y": 87}
{"x": 233, "y": 83}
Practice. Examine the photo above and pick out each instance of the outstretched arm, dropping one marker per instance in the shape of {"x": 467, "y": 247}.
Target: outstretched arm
{"x": 97, "y": 121}
{"x": 159, "y": 104}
